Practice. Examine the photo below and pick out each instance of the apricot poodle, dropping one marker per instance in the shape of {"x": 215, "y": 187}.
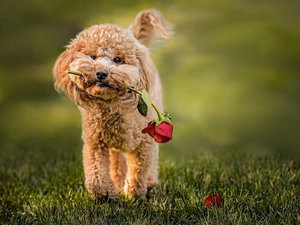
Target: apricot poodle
{"x": 117, "y": 156}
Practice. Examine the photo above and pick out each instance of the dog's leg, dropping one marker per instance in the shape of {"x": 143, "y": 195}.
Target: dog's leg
{"x": 153, "y": 173}
{"x": 118, "y": 168}
{"x": 138, "y": 166}
{"x": 96, "y": 169}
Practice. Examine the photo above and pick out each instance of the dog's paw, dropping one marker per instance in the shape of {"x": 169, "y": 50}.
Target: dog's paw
{"x": 103, "y": 193}
{"x": 152, "y": 182}
{"x": 135, "y": 192}
{"x": 108, "y": 198}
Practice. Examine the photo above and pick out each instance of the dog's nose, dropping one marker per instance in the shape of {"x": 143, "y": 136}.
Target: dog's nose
{"x": 102, "y": 74}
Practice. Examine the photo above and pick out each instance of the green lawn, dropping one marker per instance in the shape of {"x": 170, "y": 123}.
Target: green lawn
{"x": 48, "y": 188}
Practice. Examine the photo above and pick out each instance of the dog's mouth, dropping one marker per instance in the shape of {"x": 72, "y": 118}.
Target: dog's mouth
{"x": 106, "y": 85}
{"x": 103, "y": 85}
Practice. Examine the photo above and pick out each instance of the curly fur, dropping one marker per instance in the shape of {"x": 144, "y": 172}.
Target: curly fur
{"x": 116, "y": 155}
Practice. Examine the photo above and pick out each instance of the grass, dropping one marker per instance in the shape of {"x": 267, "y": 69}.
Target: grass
{"x": 47, "y": 187}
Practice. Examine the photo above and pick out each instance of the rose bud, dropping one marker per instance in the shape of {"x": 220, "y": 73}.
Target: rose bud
{"x": 214, "y": 200}
{"x": 161, "y": 133}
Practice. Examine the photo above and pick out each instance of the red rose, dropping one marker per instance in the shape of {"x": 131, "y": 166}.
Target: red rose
{"x": 161, "y": 128}
{"x": 161, "y": 133}
{"x": 214, "y": 200}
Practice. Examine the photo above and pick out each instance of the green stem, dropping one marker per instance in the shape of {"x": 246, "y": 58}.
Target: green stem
{"x": 160, "y": 116}
{"x": 74, "y": 72}
{"x": 134, "y": 90}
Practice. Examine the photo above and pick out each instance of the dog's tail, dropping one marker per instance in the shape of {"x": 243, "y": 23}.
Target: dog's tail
{"x": 149, "y": 26}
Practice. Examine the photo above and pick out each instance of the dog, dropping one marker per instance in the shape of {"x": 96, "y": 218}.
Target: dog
{"x": 117, "y": 157}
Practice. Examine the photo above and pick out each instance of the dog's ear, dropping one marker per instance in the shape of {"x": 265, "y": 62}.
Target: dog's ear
{"x": 60, "y": 73}
{"x": 150, "y": 25}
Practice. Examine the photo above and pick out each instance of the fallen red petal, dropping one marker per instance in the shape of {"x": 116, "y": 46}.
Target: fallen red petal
{"x": 214, "y": 201}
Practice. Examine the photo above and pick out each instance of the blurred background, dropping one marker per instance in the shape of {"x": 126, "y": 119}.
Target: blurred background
{"x": 230, "y": 74}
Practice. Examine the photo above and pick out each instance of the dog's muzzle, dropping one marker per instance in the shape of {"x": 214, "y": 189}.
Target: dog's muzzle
{"x": 102, "y": 75}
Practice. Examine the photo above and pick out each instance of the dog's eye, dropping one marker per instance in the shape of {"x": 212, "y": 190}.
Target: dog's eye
{"x": 93, "y": 57}
{"x": 117, "y": 60}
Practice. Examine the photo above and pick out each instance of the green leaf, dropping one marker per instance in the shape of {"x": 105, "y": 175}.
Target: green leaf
{"x": 142, "y": 107}
{"x": 146, "y": 97}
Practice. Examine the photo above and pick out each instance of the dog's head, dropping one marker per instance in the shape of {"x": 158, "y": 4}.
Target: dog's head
{"x": 110, "y": 59}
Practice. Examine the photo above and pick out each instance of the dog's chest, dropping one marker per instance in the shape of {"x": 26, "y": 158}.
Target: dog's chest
{"x": 116, "y": 131}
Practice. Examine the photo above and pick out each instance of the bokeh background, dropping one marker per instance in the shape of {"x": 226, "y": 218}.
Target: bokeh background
{"x": 230, "y": 74}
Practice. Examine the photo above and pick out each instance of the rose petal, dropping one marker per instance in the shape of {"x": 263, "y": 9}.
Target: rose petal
{"x": 161, "y": 139}
{"x": 165, "y": 129}
{"x": 150, "y": 129}
{"x": 161, "y": 133}
{"x": 214, "y": 200}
